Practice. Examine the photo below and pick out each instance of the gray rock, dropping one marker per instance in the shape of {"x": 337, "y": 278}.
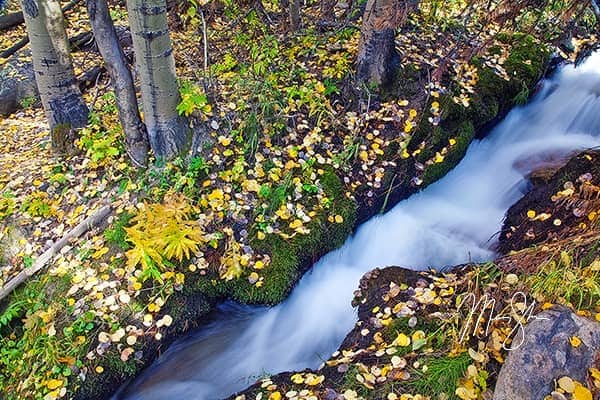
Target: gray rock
{"x": 17, "y": 83}
{"x": 547, "y": 354}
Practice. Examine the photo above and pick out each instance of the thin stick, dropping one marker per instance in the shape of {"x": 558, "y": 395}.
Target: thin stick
{"x": 47, "y": 256}
{"x": 205, "y": 39}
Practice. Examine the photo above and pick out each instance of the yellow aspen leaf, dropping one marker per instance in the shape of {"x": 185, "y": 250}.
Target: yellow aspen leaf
{"x": 295, "y": 224}
{"x": 54, "y": 384}
{"x": 412, "y": 113}
{"x": 438, "y": 158}
{"x": 575, "y": 341}
{"x": 260, "y": 235}
{"x": 566, "y": 384}
{"x": 581, "y": 392}
{"x": 339, "y": 219}
{"x": 452, "y": 141}
{"x": 476, "y": 356}
{"x": 402, "y": 340}
{"x": 275, "y": 396}
{"x": 253, "y": 278}
{"x": 99, "y": 369}
{"x": 100, "y": 252}
{"x": 465, "y": 394}
{"x": 314, "y": 380}
{"x": 297, "y": 379}
{"x": 531, "y": 214}
{"x": 547, "y": 305}
{"x": 167, "y": 320}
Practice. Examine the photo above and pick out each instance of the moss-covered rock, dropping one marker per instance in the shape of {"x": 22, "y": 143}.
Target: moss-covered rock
{"x": 291, "y": 258}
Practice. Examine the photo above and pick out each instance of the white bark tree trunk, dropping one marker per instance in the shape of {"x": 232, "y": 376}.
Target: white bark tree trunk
{"x": 60, "y": 94}
{"x": 106, "y": 38}
{"x": 168, "y": 132}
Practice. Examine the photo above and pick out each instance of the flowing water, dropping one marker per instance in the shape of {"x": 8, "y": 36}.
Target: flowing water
{"x": 451, "y": 222}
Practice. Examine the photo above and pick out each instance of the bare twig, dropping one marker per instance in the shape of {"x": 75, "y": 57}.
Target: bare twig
{"x": 90, "y": 222}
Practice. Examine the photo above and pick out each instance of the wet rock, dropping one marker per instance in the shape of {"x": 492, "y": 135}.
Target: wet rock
{"x": 561, "y": 205}
{"x": 547, "y": 354}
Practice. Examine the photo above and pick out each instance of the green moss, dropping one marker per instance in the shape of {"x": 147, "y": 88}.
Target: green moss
{"x": 290, "y": 257}
{"x": 493, "y": 95}
{"x": 464, "y": 136}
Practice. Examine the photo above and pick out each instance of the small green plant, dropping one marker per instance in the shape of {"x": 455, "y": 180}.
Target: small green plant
{"x": 228, "y": 64}
{"x": 13, "y": 311}
{"x": 102, "y": 146}
{"x": 522, "y": 97}
{"x": 116, "y": 234}
{"x": 7, "y": 206}
{"x": 192, "y": 99}
{"x": 562, "y": 278}
{"x": 38, "y": 204}
{"x": 442, "y": 376}
{"x": 160, "y": 232}
{"x": 27, "y": 102}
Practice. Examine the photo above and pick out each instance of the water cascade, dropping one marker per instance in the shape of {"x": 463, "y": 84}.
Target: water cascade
{"x": 451, "y": 222}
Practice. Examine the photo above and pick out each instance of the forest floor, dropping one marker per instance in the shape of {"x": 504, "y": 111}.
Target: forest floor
{"x": 291, "y": 154}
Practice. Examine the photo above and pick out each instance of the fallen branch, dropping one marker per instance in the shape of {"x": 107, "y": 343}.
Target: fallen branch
{"x": 25, "y": 39}
{"x": 11, "y": 20}
{"x": 47, "y": 256}
{"x": 15, "y": 47}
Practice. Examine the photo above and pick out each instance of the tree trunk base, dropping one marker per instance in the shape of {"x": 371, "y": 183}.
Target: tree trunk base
{"x": 378, "y": 60}
{"x": 170, "y": 139}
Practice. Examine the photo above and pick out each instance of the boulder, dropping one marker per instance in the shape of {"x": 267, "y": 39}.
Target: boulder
{"x": 17, "y": 84}
{"x": 547, "y": 354}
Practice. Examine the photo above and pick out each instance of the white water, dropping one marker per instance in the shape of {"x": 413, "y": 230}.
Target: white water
{"x": 451, "y": 222}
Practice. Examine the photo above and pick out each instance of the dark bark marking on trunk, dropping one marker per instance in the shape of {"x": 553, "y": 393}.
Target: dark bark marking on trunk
{"x": 153, "y": 10}
{"x": 31, "y": 8}
{"x": 151, "y": 35}
{"x": 69, "y": 110}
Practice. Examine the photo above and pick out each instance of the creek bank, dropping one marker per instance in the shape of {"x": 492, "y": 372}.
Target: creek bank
{"x": 414, "y": 338}
{"x": 566, "y": 204}
{"x": 290, "y": 259}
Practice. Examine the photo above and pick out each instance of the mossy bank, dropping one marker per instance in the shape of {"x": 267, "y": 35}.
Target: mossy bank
{"x": 492, "y": 98}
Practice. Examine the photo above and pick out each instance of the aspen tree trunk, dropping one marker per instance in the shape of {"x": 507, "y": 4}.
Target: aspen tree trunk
{"x": 107, "y": 41}
{"x": 294, "y": 11}
{"x": 155, "y": 64}
{"x": 60, "y": 94}
{"x": 377, "y": 56}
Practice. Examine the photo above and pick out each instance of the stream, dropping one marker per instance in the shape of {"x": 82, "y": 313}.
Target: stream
{"x": 453, "y": 221}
